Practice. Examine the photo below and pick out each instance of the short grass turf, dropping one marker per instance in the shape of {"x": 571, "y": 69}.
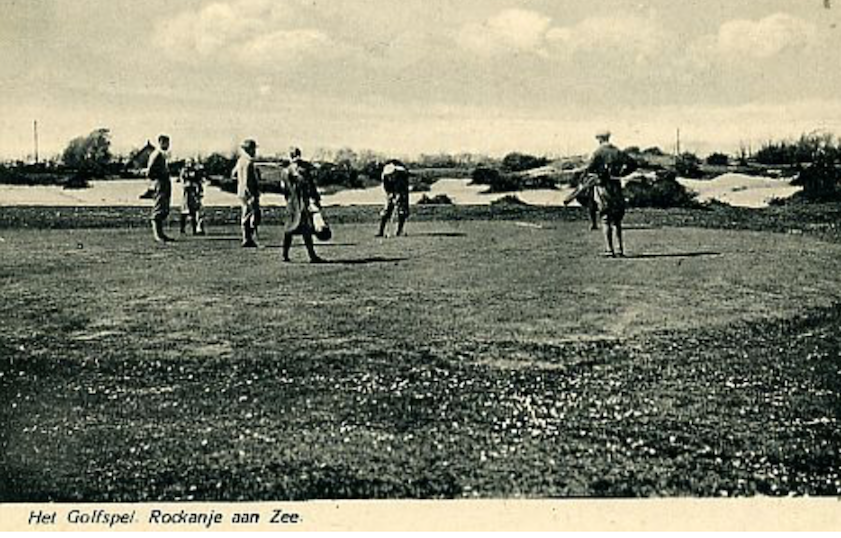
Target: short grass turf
{"x": 479, "y": 357}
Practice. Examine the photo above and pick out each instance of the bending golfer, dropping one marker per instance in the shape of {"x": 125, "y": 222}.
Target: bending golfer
{"x": 396, "y": 185}
{"x": 302, "y": 197}
{"x": 248, "y": 191}
{"x": 158, "y": 173}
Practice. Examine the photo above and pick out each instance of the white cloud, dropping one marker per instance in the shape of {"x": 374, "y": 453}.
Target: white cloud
{"x": 251, "y": 32}
{"x": 760, "y": 39}
{"x": 518, "y": 30}
{"x": 283, "y": 46}
{"x": 633, "y": 34}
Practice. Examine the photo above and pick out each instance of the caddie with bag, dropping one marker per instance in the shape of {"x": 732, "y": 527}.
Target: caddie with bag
{"x": 303, "y": 206}
{"x": 602, "y": 176}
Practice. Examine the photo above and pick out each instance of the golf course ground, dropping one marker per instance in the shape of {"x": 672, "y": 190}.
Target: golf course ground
{"x": 490, "y": 353}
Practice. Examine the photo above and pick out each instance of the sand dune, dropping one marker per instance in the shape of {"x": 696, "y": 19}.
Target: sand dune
{"x": 733, "y": 189}
{"x": 740, "y": 190}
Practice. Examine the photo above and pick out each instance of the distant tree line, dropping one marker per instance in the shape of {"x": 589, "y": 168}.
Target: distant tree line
{"x": 807, "y": 149}
{"x": 90, "y": 157}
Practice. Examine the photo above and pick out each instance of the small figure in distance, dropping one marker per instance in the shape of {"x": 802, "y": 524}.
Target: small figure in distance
{"x": 192, "y": 184}
{"x": 247, "y": 177}
{"x": 157, "y": 171}
{"x": 302, "y": 197}
{"x": 395, "y": 178}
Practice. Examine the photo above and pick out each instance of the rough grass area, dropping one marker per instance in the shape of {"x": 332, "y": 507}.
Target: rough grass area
{"x": 490, "y": 353}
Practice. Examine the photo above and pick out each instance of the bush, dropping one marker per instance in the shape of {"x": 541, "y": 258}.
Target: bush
{"x": 820, "y": 181}
{"x": 89, "y": 155}
{"x": 520, "y": 162}
{"x": 539, "y": 182}
{"x": 484, "y": 176}
{"x": 653, "y": 151}
{"x": 509, "y": 199}
{"x": 438, "y": 199}
{"x": 804, "y": 150}
{"x": 217, "y": 164}
{"x": 662, "y": 192}
{"x": 718, "y": 159}
{"x": 342, "y": 175}
{"x": 496, "y": 181}
{"x": 79, "y": 180}
{"x": 688, "y": 165}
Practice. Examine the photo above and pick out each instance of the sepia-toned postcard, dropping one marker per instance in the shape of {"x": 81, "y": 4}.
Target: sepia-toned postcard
{"x": 422, "y": 265}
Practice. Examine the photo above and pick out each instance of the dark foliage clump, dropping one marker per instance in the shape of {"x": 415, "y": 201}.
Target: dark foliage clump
{"x": 688, "y": 165}
{"x": 806, "y": 149}
{"x": 217, "y": 164}
{"x": 820, "y": 180}
{"x": 520, "y": 162}
{"x": 338, "y": 174}
{"x": 438, "y": 199}
{"x": 662, "y": 192}
{"x": 509, "y": 200}
{"x": 89, "y": 155}
{"x": 718, "y": 159}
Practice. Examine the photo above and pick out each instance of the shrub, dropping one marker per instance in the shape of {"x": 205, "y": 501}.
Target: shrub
{"x": 506, "y": 183}
{"x": 520, "y": 162}
{"x": 538, "y": 182}
{"x": 509, "y": 199}
{"x": 217, "y": 164}
{"x": 653, "y": 151}
{"x": 484, "y": 176}
{"x": 337, "y": 174}
{"x": 718, "y": 159}
{"x": 79, "y": 180}
{"x": 804, "y": 150}
{"x": 89, "y": 154}
{"x": 662, "y": 192}
{"x": 688, "y": 165}
{"x": 820, "y": 181}
{"x": 438, "y": 199}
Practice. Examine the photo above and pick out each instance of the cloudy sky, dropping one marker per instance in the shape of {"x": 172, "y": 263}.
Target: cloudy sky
{"x": 414, "y": 76}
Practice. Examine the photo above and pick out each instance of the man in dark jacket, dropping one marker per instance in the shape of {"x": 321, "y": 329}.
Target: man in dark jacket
{"x": 302, "y": 199}
{"x": 158, "y": 173}
{"x": 602, "y": 176}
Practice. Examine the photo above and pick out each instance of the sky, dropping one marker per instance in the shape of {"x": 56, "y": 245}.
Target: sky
{"x": 418, "y": 76}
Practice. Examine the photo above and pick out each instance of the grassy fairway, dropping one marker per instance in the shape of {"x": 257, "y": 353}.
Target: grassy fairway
{"x": 477, "y": 357}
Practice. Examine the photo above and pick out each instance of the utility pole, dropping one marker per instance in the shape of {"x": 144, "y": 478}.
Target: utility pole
{"x": 677, "y": 143}
{"x": 35, "y": 136}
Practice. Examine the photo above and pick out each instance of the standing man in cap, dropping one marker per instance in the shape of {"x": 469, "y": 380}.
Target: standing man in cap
{"x": 158, "y": 173}
{"x": 247, "y": 177}
{"x": 302, "y": 198}
{"x": 602, "y": 174}
{"x": 395, "y": 178}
